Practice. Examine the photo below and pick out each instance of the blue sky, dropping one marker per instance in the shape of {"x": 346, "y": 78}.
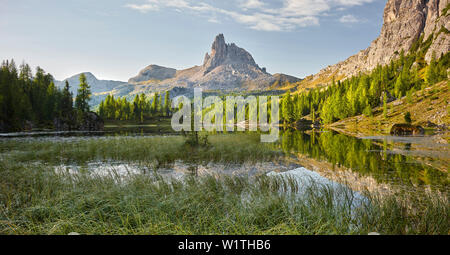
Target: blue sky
{"x": 114, "y": 39}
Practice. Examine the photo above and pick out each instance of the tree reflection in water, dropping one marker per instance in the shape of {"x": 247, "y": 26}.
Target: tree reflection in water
{"x": 363, "y": 156}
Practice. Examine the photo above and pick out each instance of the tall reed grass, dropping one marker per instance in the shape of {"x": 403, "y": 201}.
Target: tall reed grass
{"x": 41, "y": 201}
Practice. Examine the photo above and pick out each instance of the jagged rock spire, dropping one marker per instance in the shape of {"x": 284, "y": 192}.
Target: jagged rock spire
{"x": 222, "y": 53}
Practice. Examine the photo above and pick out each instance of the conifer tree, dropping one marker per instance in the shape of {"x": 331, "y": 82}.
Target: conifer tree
{"x": 83, "y": 96}
{"x": 167, "y": 103}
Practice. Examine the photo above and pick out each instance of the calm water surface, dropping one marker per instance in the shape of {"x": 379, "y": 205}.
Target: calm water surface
{"x": 393, "y": 160}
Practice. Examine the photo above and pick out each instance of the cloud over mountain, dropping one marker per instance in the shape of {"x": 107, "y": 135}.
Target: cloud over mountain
{"x": 263, "y": 15}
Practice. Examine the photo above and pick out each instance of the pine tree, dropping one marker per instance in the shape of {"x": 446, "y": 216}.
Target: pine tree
{"x": 431, "y": 75}
{"x": 167, "y": 103}
{"x": 66, "y": 100}
{"x": 155, "y": 103}
{"x": 136, "y": 109}
{"x": 408, "y": 117}
{"x": 101, "y": 110}
{"x": 83, "y": 96}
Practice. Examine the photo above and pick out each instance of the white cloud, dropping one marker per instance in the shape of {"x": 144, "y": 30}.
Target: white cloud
{"x": 260, "y": 14}
{"x": 144, "y": 8}
{"x": 348, "y": 19}
{"x": 353, "y": 2}
{"x": 304, "y": 7}
{"x": 213, "y": 20}
{"x": 252, "y": 4}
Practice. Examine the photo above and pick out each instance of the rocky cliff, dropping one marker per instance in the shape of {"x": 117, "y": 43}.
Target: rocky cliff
{"x": 227, "y": 54}
{"x": 227, "y": 67}
{"x": 405, "y": 21}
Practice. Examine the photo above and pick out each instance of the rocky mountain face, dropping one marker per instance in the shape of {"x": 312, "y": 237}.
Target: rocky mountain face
{"x": 227, "y": 54}
{"x": 226, "y": 68}
{"x": 405, "y": 21}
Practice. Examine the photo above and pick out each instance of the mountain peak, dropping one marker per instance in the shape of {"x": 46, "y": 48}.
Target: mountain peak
{"x": 89, "y": 76}
{"x": 226, "y": 54}
{"x": 226, "y": 67}
{"x": 219, "y": 41}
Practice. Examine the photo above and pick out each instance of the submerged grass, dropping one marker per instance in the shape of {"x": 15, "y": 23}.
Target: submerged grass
{"x": 230, "y": 148}
{"x": 42, "y": 201}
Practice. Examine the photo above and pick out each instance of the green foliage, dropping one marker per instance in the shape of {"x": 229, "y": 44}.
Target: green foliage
{"x": 83, "y": 96}
{"x": 194, "y": 140}
{"x": 409, "y": 96}
{"x": 27, "y": 98}
{"x": 368, "y": 111}
{"x": 408, "y": 117}
{"x": 287, "y": 106}
{"x": 139, "y": 109}
{"x": 385, "y": 109}
{"x": 431, "y": 74}
{"x": 167, "y": 104}
{"x": 444, "y": 12}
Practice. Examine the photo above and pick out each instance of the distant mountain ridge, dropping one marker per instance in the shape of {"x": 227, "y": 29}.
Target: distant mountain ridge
{"x": 153, "y": 72}
{"x": 226, "y": 68}
{"x": 97, "y": 86}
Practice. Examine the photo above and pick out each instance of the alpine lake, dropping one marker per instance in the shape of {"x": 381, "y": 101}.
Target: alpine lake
{"x": 148, "y": 179}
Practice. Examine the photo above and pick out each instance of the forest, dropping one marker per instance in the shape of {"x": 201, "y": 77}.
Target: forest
{"x": 28, "y": 101}
{"x": 140, "y": 109}
{"x": 360, "y": 94}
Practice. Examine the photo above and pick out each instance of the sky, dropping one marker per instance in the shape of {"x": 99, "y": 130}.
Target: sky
{"x": 114, "y": 39}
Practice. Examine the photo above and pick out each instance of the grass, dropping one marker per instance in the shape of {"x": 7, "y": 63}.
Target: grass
{"x": 40, "y": 201}
{"x": 36, "y": 199}
{"x": 229, "y": 148}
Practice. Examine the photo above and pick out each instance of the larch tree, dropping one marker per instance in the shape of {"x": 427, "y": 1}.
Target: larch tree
{"x": 83, "y": 96}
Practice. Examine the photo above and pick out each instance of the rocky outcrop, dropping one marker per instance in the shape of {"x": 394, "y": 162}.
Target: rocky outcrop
{"x": 153, "y": 72}
{"x": 91, "y": 122}
{"x": 389, "y": 97}
{"x": 88, "y": 121}
{"x": 406, "y": 129}
{"x": 303, "y": 124}
{"x": 404, "y": 22}
{"x": 65, "y": 123}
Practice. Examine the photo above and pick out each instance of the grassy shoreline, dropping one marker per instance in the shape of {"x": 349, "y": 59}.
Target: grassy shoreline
{"x": 36, "y": 199}
{"x": 44, "y": 202}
